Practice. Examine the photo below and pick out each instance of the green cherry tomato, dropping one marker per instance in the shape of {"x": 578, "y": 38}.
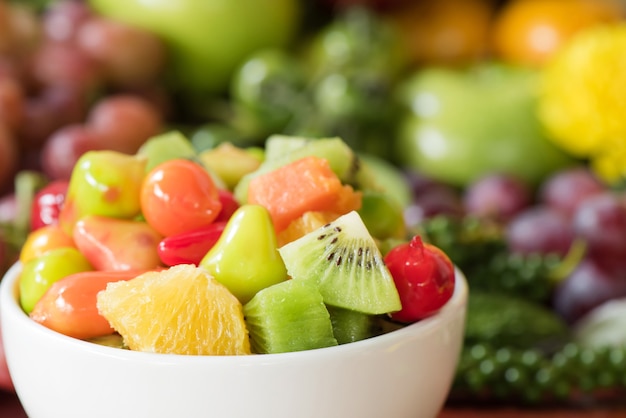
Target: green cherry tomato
{"x": 40, "y": 273}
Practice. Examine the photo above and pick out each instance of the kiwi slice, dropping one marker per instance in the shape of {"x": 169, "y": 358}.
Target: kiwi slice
{"x": 288, "y": 316}
{"x": 350, "y": 326}
{"x": 342, "y": 160}
{"x": 343, "y": 261}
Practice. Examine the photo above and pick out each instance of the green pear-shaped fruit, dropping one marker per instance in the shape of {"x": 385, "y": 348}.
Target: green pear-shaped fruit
{"x": 106, "y": 183}
{"x": 245, "y": 259}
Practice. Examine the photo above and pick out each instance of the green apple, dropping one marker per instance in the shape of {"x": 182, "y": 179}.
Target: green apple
{"x": 208, "y": 39}
{"x": 463, "y": 124}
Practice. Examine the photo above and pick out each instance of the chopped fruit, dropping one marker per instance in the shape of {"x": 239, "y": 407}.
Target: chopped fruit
{"x": 424, "y": 277}
{"x": 308, "y": 222}
{"x": 289, "y": 316}
{"x": 307, "y": 184}
{"x": 343, "y": 261}
{"x": 189, "y": 313}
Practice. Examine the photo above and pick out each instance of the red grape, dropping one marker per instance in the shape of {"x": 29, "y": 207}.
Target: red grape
{"x": 601, "y": 221}
{"x": 57, "y": 63}
{"x": 128, "y": 55}
{"x": 439, "y": 200}
{"x": 497, "y": 196}
{"x": 565, "y": 189}
{"x": 539, "y": 229}
{"x": 589, "y": 285}
{"x": 65, "y": 146}
{"x": 126, "y": 121}
{"x": 53, "y": 107}
{"x": 63, "y": 19}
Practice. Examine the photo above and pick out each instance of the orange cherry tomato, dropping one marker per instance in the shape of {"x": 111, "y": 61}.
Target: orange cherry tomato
{"x": 529, "y": 32}
{"x": 178, "y": 196}
{"x": 69, "y": 306}
{"x": 44, "y": 239}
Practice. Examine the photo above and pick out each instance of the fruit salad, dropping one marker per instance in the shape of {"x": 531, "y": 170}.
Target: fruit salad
{"x": 203, "y": 254}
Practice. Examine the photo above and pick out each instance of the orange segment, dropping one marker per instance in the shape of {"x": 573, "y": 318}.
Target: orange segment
{"x": 306, "y": 223}
{"x": 180, "y": 310}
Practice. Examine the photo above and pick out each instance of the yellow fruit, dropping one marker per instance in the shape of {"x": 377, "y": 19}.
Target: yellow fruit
{"x": 582, "y": 102}
{"x": 309, "y": 221}
{"x": 44, "y": 239}
{"x": 530, "y": 32}
{"x": 181, "y": 310}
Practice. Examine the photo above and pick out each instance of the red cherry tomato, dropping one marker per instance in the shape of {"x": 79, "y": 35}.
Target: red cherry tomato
{"x": 190, "y": 247}
{"x": 424, "y": 277}
{"x": 47, "y": 204}
{"x": 178, "y": 196}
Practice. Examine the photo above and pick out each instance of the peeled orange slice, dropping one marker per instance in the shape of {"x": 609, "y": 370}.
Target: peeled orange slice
{"x": 309, "y": 221}
{"x": 181, "y": 310}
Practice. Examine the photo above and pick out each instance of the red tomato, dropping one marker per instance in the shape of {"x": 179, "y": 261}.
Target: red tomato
{"x": 47, "y": 204}
{"x": 424, "y": 277}
{"x": 178, "y": 196}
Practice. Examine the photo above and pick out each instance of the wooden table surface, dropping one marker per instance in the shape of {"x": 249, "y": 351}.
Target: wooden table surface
{"x": 10, "y": 408}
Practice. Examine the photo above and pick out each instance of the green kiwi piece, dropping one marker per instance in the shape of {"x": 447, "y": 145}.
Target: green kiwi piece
{"x": 350, "y": 326}
{"x": 343, "y": 161}
{"x": 343, "y": 261}
{"x": 382, "y": 215}
{"x": 378, "y": 174}
{"x": 288, "y": 316}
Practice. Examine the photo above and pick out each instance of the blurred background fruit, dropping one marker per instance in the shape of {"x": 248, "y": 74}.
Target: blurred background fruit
{"x": 202, "y": 61}
{"x": 529, "y": 32}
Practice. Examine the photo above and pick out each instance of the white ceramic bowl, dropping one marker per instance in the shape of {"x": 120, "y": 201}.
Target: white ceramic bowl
{"x": 403, "y": 374}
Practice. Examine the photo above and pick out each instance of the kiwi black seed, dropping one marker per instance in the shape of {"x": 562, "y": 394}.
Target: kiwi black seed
{"x": 343, "y": 261}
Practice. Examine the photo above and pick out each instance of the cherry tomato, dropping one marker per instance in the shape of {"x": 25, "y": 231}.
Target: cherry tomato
{"x": 424, "y": 277}
{"x": 44, "y": 239}
{"x": 47, "y": 204}
{"x": 178, "y": 196}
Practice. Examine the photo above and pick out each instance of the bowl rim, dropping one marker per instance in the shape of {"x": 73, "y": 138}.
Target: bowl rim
{"x": 10, "y": 309}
